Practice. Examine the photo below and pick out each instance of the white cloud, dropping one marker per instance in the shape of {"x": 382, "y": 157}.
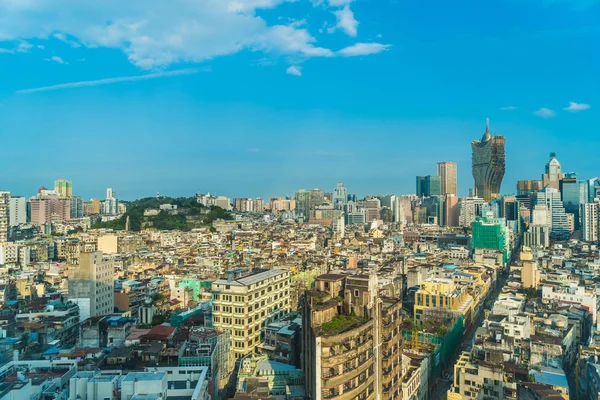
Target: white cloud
{"x": 57, "y": 60}
{"x": 508, "y": 108}
{"x": 345, "y": 21}
{"x": 363, "y": 49}
{"x": 576, "y": 107}
{"x": 339, "y": 3}
{"x": 157, "y": 33}
{"x": 22, "y": 47}
{"x": 294, "y": 70}
{"x": 544, "y": 113}
{"x": 109, "y": 81}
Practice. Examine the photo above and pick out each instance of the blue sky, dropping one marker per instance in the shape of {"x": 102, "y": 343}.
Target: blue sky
{"x": 263, "y": 97}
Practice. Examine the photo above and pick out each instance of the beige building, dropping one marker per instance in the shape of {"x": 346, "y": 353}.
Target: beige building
{"x": 447, "y": 174}
{"x": 530, "y": 273}
{"x": 91, "y": 285}
{"x": 442, "y": 293}
{"x": 108, "y": 244}
{"x": 245, "y": 302}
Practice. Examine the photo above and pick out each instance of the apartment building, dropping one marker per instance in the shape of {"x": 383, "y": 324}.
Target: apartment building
{"x": 245, "y": 301}
{"x": 442, "y": 293}
{"x": 573, "y": 294}
{"x": 351, "y": 347}
{"x": 91, "y": 285}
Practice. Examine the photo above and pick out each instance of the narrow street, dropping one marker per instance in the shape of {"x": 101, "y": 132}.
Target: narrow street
{"x": 442, "y": 385}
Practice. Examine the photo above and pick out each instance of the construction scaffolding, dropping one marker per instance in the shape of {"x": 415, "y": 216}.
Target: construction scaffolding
{"x": 444, "y": 347}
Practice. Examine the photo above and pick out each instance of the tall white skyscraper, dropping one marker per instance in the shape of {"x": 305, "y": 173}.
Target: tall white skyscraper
{"x": 111, "y": 204}
{"x": 17, "y": 211}
{"x": 590, "y": 212}
{"x": 4, "y": 215}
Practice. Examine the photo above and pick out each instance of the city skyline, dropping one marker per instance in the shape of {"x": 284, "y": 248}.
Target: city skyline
{"x": 121, "y": 108}
{"x": 508, "y": 188}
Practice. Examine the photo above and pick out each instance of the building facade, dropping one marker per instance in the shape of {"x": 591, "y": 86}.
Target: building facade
{"x": 488, "y": 165}
{"x": 245, "y": 301}
{"x": 447, "y": 174}
{"x": 351, "y": 345}
{"x": 4, "y": 215}
{"x": 91, "y": 285}
{"x": 428, "y": 186}
{"x": 63, "y": 187}
{"x": 17, "y": 211}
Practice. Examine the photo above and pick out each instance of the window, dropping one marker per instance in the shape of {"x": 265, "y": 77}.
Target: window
{"x": 356, "y": 292}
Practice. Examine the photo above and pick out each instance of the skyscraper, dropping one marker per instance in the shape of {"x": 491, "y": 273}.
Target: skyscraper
{"x": 340, "y": 196}
{"x": 111, "y": 204}
{"x": 590, "y": 214}
{"x": 451, "y": 212}
{"x": 63, "y": 187}
{"x": 447, "y": 173}
{"x": 428, "y": 186}
{"x": 488, "y": 164}
{"x": 302, "y": 198}
{"x": 553, "y": 173}
{"x": 550, "y": 197}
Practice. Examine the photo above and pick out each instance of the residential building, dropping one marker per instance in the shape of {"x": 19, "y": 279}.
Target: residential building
{"x": 447, "y": 174}
{"x": 488, "y": 164}
{"x": 302, "y": 198}
{"x": 245, "y": 300}
{"x": 17, "y": 211}
{"x": 590, "y": 221}
{"x": 351, "y": 340}
{"x": 339, "y": 227}
{"x": 530, "y": 273}
{"x": 47, "y": 209}
{"x": 442, "y": 293}
{"x": 451, "y": 211}
{"x": 468, "y": 209}
{"x": 573, "y": 293}
{"x": 76, "y": 207}
{"x": 4, "y": 215}
{"x": 91, "y": 285}
{"x": 63, "y": 187}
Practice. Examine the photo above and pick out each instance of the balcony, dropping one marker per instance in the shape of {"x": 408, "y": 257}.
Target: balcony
{"x": 345, "y": 377}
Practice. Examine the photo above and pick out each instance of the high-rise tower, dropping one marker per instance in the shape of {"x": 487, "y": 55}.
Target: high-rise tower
{"x": 553, "y": 174}
{"x": 63, "y": 187}
{"x": 447, "y": 174}
{"x": 488, "y": 164}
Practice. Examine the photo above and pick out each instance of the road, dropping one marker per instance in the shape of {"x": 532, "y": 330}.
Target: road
{"x": 441, "y": 385}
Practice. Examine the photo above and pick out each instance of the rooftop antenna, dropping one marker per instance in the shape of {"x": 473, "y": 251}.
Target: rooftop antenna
{"x": 487, "y": 124}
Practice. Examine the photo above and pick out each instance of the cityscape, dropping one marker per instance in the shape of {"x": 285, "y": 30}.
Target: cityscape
{"x": 322, "y": 295}
{"x": 299, "y": 200}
